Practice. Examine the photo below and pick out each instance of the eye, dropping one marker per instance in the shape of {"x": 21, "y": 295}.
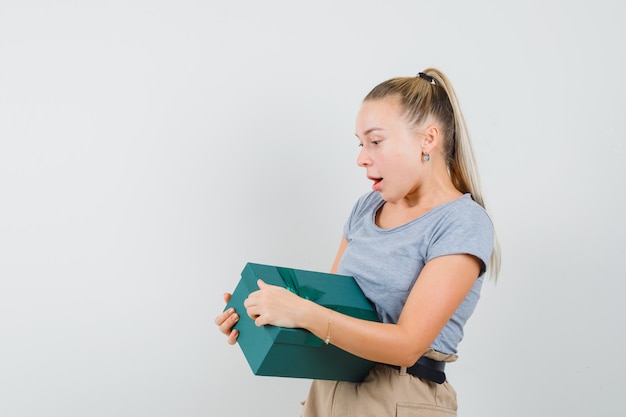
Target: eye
{"x": 375, "y": 142}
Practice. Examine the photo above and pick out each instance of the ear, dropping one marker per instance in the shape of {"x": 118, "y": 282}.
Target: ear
{"x": 430, "y": 138}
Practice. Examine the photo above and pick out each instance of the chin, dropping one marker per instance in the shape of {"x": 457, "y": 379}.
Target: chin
{"x": 387, "y": 197}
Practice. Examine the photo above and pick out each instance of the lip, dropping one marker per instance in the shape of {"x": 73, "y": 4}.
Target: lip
{"x": 377, "y": 182}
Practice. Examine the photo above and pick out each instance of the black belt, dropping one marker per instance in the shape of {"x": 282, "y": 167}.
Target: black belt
{"x": 427, "y": 368}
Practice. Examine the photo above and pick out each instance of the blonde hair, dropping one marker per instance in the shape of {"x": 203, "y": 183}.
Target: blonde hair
{"x": 431, "y": 94}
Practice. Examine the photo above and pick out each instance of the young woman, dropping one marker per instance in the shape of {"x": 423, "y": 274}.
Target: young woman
{"x": 419, "y": 245}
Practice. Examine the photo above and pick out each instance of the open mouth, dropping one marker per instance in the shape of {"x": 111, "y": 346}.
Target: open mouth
{"x": 377, "y": 183}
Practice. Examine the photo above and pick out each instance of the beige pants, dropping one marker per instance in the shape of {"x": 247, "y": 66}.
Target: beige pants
{"x": 384, "y": 392}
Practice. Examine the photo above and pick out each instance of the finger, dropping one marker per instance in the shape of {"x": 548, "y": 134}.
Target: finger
{"x": 227, "y": 331}
{"x": 227, "y": 296}
{"x": 259, "y": 321}
{"x": 226, "y": 327}
{"x": 223, "y": 316}
{"x": 251, "y": 300}
{"x": 263, "y": 285}
{"x": 232, "y": 337}
{"x": 252, "y": 312}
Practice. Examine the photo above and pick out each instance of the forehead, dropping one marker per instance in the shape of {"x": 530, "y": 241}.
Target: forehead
{"x": 379, "y": 114}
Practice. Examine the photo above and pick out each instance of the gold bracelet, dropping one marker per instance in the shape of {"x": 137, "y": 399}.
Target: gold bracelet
{"x": 330, "y": 321}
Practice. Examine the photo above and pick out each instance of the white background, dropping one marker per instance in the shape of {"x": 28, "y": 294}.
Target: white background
{"x": 149, "y": 149}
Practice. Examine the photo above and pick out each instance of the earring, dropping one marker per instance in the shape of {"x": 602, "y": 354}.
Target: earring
{"x": 426, "y": 158}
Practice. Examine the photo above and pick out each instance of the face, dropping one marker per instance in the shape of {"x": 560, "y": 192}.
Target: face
{"x": 391, "y": 149}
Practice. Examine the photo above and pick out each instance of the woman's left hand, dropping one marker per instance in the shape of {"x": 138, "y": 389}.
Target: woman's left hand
{"x": 274, "y": 305}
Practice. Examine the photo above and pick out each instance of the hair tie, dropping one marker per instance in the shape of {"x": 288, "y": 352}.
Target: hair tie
{"x": 427, "y": 78}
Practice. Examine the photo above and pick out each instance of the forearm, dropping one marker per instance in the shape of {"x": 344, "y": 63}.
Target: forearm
{"x": 378, "y": 342}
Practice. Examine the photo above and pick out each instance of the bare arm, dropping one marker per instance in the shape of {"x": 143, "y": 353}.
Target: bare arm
{"x": 442, "y": 285}
{"x": 342, "y": 248}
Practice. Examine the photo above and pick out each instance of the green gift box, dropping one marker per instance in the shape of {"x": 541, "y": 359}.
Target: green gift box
{"x": 298, "y": 353}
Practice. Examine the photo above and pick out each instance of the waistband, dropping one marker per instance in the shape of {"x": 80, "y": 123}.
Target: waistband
{"x": 426, "y": 368}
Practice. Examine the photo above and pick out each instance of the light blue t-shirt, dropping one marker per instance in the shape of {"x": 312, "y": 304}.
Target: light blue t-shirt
{"x": 387, "y": 262}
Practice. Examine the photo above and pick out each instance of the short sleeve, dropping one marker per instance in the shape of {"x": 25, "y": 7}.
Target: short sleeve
{"x": 468, "y": 230}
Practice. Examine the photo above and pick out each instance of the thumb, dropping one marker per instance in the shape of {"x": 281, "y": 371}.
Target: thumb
{"x": 261, "y": 284}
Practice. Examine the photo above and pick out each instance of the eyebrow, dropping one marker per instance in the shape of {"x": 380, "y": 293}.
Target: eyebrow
{"x": 370, "y": 130}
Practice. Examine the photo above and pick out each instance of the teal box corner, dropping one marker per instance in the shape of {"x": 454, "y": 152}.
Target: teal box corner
{"x": 297, "y": 353}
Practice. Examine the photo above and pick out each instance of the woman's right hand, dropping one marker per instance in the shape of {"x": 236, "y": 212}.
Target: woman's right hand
{"x": 226, "y": 320}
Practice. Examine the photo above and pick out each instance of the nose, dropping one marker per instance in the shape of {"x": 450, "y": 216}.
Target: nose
{"x": 363, "y": 159}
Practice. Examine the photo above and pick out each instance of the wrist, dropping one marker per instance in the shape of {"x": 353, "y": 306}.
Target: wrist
{"x": 314, "y": 318}
{"x": 330, "y": 323}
